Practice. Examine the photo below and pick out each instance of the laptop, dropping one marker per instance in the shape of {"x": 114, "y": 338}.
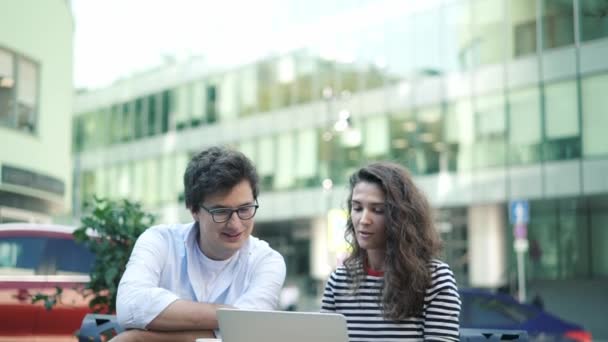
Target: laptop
{"x": 281, "y": 326}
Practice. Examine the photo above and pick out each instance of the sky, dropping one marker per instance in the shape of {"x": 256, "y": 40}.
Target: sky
{"x": 116, "y": 38}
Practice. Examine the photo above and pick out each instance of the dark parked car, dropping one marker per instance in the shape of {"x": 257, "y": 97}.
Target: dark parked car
{"x": 36, "y": 258}
{"x": 486, "y": 310}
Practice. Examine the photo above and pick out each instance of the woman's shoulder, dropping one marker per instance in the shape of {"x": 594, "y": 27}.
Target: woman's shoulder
{"x": 439, "y": 268}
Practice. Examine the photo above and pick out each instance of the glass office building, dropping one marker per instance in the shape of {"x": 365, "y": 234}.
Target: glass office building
{"x": 485, "y": 101}
{"x": 35, "y": 110}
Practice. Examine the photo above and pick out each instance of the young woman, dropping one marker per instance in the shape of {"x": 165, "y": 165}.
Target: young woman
{"x": 391, "y": 287}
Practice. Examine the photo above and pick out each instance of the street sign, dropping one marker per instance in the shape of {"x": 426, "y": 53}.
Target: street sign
{"x": 519, "y": 211}
{"x": 520, "y": 231}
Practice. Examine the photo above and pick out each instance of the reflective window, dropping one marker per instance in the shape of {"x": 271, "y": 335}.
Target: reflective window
{"x": 459, "y": 135}
{"x": 559, "y": 239}
{"x": 524, "y": 126}
{"x": 19, "y": 84}
{"x": 595, "y": 120}
{"x": 285, "y": 161}
{"x": 248, "y": 82}
{"x": 487, "y": 44}
{"x": 266, "y": 162}
{"x": 598, "y": 207}
{"x": 27, "y": 95}
{"x": 182, "y": 106}
{"x": 593, "y": 18}
{"x": 558, "y": 23}
{"x": 227, "y": 103}
{"x": 430, "y": 140}
{"x": 523, "y": 27}
{"x": 562, "y": 132}
{"x": 307, "y": 158}
{"x": 426, "y": 51}
{"x": 403, "y": 139}
{"x": 489, "y": 149}
{"x": 376, "y": 138}
{"x": 456, "y": 37}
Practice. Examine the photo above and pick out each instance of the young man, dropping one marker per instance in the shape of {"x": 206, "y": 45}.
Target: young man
{"x": 179, "y": 275}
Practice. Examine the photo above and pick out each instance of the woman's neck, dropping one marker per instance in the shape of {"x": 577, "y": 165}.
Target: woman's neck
{"x": 375, "y": 259}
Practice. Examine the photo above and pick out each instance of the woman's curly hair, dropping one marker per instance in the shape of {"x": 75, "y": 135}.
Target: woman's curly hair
{"x": 411, "y": 240}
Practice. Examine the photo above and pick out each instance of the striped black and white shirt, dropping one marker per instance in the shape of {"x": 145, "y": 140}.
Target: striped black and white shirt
{"x": 363, "y": 311}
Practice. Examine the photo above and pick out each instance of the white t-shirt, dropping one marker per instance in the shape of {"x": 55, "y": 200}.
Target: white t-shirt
{"x": 166, "y": 265}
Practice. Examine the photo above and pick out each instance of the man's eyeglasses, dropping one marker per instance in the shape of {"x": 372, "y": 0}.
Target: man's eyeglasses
{"x": 221, "y": 215}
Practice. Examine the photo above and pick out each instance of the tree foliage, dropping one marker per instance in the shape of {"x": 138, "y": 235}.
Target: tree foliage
{"x": 110, "y": 231}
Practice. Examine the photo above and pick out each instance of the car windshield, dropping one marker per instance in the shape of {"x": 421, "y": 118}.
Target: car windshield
{"x": 43, "y": 256}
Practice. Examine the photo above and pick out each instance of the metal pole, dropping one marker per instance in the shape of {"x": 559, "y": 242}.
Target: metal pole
{"x": 521, "y": 277}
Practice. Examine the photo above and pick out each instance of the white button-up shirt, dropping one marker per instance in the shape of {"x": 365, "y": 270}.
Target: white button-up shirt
{"x": 167, "y": 265}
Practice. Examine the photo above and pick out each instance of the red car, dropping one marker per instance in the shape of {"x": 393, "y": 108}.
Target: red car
{"x": 37, "y": 258}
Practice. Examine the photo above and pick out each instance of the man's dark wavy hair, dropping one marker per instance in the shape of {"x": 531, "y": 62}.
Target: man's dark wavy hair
{"x": 411, "y": 240}
{"x": 216, "y": 170}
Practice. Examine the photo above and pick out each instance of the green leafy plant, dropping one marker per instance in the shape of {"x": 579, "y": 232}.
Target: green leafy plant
{"x": 110, "y": 232}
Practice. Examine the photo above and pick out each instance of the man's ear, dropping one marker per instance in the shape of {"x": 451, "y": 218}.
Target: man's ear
{"x": 193, "y": 213}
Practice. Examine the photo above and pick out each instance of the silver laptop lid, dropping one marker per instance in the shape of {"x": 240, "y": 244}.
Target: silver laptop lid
{"x": 281, "y": 326}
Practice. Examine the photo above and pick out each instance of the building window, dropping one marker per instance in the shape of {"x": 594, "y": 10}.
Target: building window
{"x": 595, "y": 119}
{"x": 524, "y": 126}
{"x": 558, "y": 23}
{"x": 523, "y": 27}
{"x": 594, "y": 21}
{"x": 562, "y": 133}
{"x": 19, "y": 84}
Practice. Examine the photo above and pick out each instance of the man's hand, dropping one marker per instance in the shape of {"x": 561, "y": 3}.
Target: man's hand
{"x": 156, "y": 336}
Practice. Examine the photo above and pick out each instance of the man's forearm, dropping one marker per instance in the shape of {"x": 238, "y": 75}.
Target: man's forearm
{"x": 186, "y": 315}
{"x": 161, "y": 336}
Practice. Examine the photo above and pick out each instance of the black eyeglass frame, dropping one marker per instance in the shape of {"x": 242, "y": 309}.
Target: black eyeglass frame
{"x": 215, "y": 211}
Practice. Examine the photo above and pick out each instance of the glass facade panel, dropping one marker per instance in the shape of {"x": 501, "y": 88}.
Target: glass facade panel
{"x": 544, "y": 241}
{"x": 403, "y": 139}
{"x": 197, "y": 91}
{"x": 167, "y": 191}
{"x": 562, "y": 132}
{"x": 152, "y": 193}
{"x": 7, "y": 88}
{"x": 228, "y": 98}
{"x": 139, "y": 181}
{"x": 376, "y": 141}
{"x": 593, "y": 19}
{"x": 181, "y": 162}
{"x": 598, "y": 206}
{"x": 490, "y": 132}
{"x": 285, "y": 175}
{"x": 249, "y": 90}
{"x": 266, "y": 162}
{"x": 307, "y": 159}
{"x": 459, "y": 135}
{"x": 524, "y": 126}
{"x": 523, "y": 27}
{"x": 27, "y": 95}
{"x": 124, "y": 181}
{"x": 456, "y": 37}
{"x": 430, "y": 139}
{"x": 181, "y": 110}
{"x": 488, "y": 41}
{"x": 19, "y": 82}
{"x": 558, "y": 23}
{"x": 595, "y": 115}
{"x": 305, "y": 85}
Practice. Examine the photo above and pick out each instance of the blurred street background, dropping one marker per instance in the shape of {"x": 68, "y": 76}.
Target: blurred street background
{"x": 498, "y": 107}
